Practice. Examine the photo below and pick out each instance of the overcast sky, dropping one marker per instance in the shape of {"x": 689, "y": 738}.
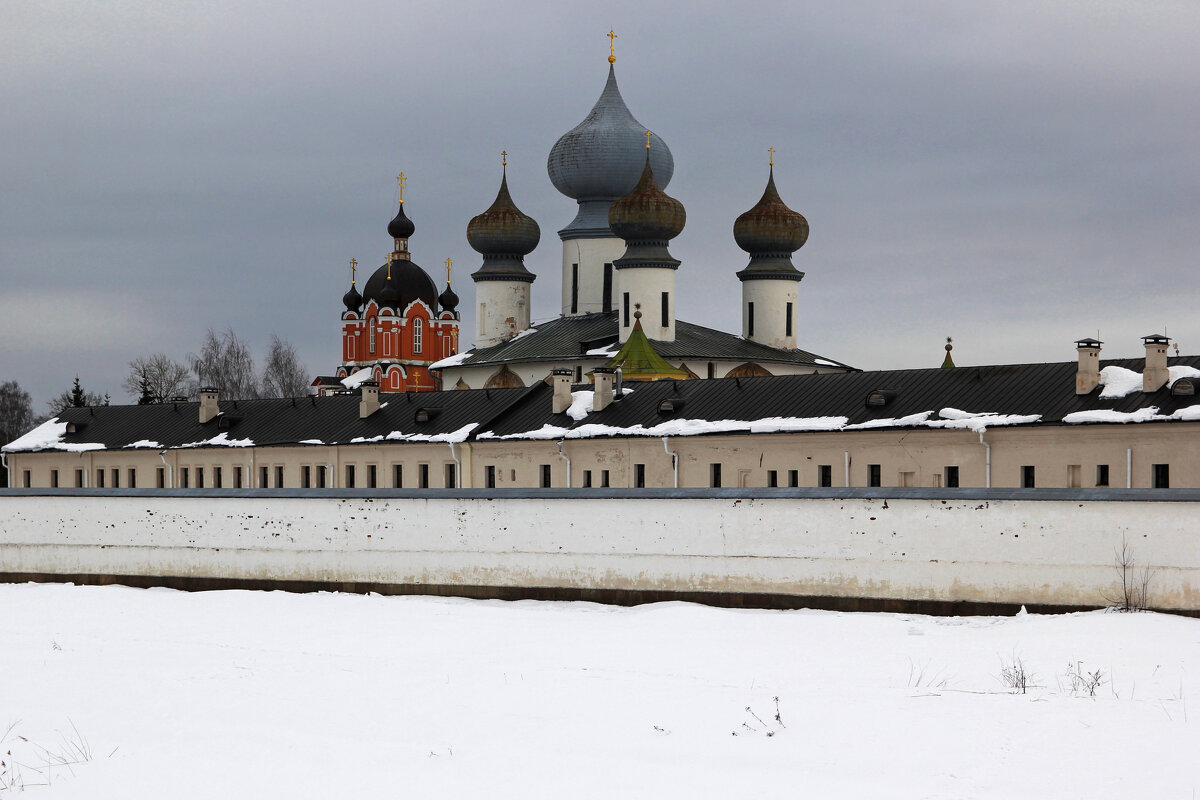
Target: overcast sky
{"x": 1015, "y": 175}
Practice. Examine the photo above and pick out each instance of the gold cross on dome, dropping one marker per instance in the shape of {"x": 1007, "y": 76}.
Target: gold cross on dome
{"x": 400, "y": 179}
{"x": 647, "y": 140}
{"x": 353, "y": 269}
{"x": 612, "y": 57}
{"x": 504, "y": 158}
{"x": 448, "y": 263}
{"x": 771, "y": 150}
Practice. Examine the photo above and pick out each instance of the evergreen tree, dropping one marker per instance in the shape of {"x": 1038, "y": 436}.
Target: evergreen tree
{"x": 147, "y": 396}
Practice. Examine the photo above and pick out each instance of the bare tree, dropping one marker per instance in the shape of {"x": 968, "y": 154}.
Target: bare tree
{"x": 225, "y": 362}
{"x": 156, "y": 379}
{"x": 16, "y": 411}
{"x": 1133, "y": 594}
{"x": 283, "y": 375}
{"x": 76, "y": 397}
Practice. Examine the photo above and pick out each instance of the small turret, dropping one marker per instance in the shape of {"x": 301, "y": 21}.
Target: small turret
{"x": 647, "y": 219}
{"x": 503, "y": 235}
{"x": 770, "y": 232}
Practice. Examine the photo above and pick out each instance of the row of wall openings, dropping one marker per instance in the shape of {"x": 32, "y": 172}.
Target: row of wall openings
{"x": 489, "y": 475}
{"x": 606, "y": 296}
{"x": 793, "y": 478}
{"x": 587, "y": 479}
{"x": 789, "y": 311}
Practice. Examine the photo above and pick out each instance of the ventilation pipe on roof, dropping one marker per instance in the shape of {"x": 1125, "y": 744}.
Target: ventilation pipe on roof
{"x": 369, "y": 403}
{"x": 208, "y": 404}
{"x": 1087, "y": 376}
{"x": 1155, "y": 375}
{"x": 562, "y": 389}
{"x": 602, "y": 396}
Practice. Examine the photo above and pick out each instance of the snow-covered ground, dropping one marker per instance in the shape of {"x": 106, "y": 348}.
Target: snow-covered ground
{"x": 249, "y": 694}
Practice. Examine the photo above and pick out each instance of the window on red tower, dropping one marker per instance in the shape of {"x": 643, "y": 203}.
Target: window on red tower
{"x": 417, "y": 326}
{"x": 372, "y": 334}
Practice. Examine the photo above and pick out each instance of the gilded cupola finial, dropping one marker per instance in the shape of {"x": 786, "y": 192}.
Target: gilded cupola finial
{"x": 504, "y": 158}
{"x": 400, "y": 180}
{"x": 647, "y": 140}
{"x": 612, "y": 56}
{"x": 353, "y": 269}
{"x": 771, "y": 150}
{"x": 448, "y": 264}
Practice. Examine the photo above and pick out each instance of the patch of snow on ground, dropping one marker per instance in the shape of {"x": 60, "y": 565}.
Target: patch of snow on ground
{"x": 1119, "y": 382}
{"x": 1181, "y": 371}
{"x": 451, "y": 361}
{"x": 356, "y": 380}
{"x": 276, "y": 695}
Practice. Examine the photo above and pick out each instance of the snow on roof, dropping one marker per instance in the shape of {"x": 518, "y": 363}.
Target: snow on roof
{"x": 220, "y": 440}
{"x": 356, "y": 380}
{"x": 452, "y": 437}
{"x": 1182, "y": 371}
{"x": 452, "y": 361}
{"x": 1119, "y": 382}
{"x": 606, "y": 350}
{"x": 47, "y": 436}
{"x": 146, "y": 443}
{"x": 1150, "y": 414}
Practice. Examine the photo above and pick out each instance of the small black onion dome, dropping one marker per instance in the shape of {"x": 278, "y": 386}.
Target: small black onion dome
{"x": 401, "y": 227}
{"x": 448, "y": 299}
{"x": 389, "y": 295}
{"x": 352, "y": 299}
{"x": 647, "y": 214}
{"x": 770, "y": 232}
{"x": 503, "y": 230}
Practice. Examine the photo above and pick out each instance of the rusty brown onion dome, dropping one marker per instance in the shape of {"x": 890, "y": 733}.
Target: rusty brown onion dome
{"x": 503, "y": 230}
{"x": 770, "y": 227}
{"x": 647, "y": 214}
{"x": 401, "y": 227}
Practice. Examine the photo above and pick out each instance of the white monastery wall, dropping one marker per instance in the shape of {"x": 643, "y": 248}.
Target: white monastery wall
{"x": 1051, "y": 552}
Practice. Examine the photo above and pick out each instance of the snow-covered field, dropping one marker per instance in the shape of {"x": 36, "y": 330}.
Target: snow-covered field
{"x": 248, "y": 694}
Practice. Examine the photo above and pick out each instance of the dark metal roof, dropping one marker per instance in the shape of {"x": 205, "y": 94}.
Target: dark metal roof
{"x": 568, "y": 338}
{"x": 326, "y": 420}
{"x": 1013, "y": 389}
{"x": 1017, "y": 389}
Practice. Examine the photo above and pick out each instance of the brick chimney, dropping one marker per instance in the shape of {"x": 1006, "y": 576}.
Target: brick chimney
{"x": 1155, "y": 375}
{"x": 369, "y": 403}
{"x": 1087, "y": 377}
{"x": 562, "y": 389}
{"x": 603, "y": 394}
{"x": 208, "y": 404}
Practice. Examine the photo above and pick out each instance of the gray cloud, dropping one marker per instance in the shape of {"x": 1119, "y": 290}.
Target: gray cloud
{"x": 1015, "y": 175}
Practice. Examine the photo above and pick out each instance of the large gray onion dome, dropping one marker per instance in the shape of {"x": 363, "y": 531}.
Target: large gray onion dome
{"x": 770, "y": 232}
{"x": 646, "y": 218}
{"x": 601, "y": 159}
{"x": 504, "y": 236}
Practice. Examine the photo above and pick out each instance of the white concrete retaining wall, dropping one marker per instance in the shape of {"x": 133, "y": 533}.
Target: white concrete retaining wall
{"x": 989, "y": 551}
